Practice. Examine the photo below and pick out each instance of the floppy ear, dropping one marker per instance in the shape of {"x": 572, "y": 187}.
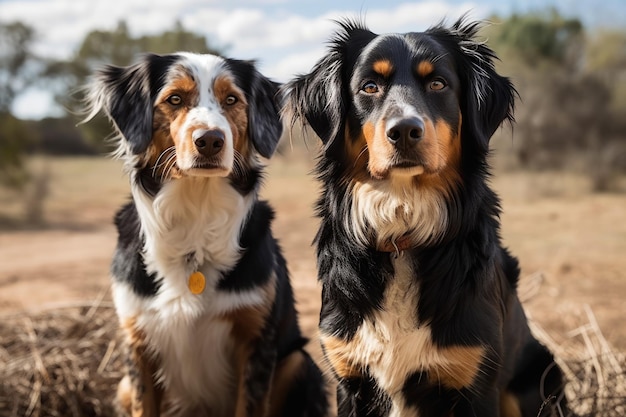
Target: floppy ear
{"x": 321, "y": 98}
{"x": 489, "y": 97}
{"x": 264, "y": 124}
{"x": 318, "y": 98}
{"x": 127, "y": 94}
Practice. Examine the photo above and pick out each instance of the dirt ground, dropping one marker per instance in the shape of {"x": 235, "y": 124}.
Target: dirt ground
{"x": 571, "y": 243}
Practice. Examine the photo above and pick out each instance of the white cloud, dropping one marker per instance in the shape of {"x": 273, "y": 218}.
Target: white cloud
{"x": 36, "y": 104}
{"x": 282, "y": 69}
{"x": 284, "y": 41}
{"x": 417, "y": 16}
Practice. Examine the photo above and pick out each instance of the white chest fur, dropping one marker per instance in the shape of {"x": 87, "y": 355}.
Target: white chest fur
{"x": 392, "y": 344}
{"x": 192, "y": 224}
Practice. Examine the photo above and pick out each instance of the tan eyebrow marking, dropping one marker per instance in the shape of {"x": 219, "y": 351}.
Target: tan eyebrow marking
{"x": 383, "y": 67}
{"x": 425, "y": 68}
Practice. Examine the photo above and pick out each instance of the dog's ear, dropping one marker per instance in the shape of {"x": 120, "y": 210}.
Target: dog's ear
{"x": 322, "y": 98}
{"x": 489, "y": 98}
{"x": 127, "y": 94}
{"x": 264, "y": 124}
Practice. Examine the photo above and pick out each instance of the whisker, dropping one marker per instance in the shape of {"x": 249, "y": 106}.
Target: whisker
{"x": 169, "y": 165}
{"x": 238, "y": 164}
{"x": 360, "y": 155}
{"x": 156, "y": 164}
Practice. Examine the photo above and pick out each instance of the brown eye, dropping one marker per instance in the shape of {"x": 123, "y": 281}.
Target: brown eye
{"x": 438, "y": 84}
{"x": 370, "y": 87}
{"x": 174, "y": 100}
{"x": 230, "y": 100}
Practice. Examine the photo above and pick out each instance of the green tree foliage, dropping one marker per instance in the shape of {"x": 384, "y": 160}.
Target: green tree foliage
{"x": 540, "y": 37}
{"x": 19, "y": 68}
{"x": 119, "y": 47}
{"x": 606, "y": 58}
{"x": 569, "y": 83}
{"x": 17, "y": 62}
{"x": 14, "y": 136}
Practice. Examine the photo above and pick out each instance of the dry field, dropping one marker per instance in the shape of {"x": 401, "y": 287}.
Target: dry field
{"x": 571, "y": 245}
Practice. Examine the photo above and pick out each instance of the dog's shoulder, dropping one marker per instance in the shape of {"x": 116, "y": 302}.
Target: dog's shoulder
{"x": 128, "y": 264}
{"x": 259, "y": 252}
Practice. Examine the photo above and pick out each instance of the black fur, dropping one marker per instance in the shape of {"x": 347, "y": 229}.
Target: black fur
{"x": 467, "y": 280}
{"x": 130, "y": 93}
{"x": 264, "y": 127}
{"x": 127, "y": 95}
{"x": 128, "y": 264}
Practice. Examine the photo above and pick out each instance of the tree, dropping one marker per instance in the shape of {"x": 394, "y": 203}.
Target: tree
{"x": 539, "y": 38}
{"x": 13, "y": 138}
{"x": 565, "y": 118}
{"x": 606, "y": 57}
{"x": 19, "y": 68}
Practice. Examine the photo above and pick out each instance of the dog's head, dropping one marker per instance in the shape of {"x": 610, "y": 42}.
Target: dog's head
{"x": 188, "y": 114}
{"x": 404, "y": 105}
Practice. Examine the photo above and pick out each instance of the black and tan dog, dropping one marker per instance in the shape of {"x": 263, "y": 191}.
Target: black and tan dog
{"x": 419, "y": 315}
{"x": 199, "y": 283}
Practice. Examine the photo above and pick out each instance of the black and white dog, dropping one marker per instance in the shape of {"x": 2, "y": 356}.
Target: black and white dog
{"x": 199, "y": 283}
{"x": 420, "y": 315}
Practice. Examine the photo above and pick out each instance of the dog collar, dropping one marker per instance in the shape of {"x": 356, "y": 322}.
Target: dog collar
{"x": 196, "y": 282}
{"x": 396, "y": 246}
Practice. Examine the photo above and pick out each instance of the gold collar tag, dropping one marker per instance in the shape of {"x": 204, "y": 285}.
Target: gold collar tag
{"x": 196, "y": 282}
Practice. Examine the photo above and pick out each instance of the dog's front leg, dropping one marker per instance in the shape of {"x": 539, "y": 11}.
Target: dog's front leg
{"x": 256, "y": 364}
{"x": 358, "y": 397}
{"x": 137, "y": 393}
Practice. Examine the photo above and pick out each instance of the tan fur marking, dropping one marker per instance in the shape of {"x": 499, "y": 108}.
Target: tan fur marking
{"x": 425, "y": 68}
{"x": 248, "y": 325}
{"x": 236, "y": 114}
{"x": 509, "y": 405}
{"x": 167, "y": 122}
{"x": 380, "y": 150}
{"x": 336, "y": 352}
{"x": 125, "y": 394}
{"x": 138, "y": 392}
{"x": 357, "y": 155}
{"x": 288, "y": 370}
{"x": 442, "y": 150}
{"x": 383, "y": 67}
{"x": 455, "y": 367}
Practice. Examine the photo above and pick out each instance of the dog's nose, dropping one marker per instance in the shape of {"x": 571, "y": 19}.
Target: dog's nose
{"x": 404, "y": 132}
{"x": 210, "y": 143}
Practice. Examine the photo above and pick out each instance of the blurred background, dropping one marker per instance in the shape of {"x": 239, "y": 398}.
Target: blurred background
{"x": 566, "y": 58}
{"x": 560, "y": 170}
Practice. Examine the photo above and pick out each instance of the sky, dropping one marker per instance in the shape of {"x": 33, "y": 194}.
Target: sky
{"x": 285, "y": 37}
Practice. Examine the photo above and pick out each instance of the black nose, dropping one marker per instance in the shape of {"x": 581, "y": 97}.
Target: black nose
{"x": 403, "y": 132}
{"x": 210, "y": 143}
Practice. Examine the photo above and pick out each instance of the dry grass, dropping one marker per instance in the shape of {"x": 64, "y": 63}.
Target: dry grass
{"x": 64, "y": 362}
{"x": 67, "y": 362}
{"x": 595, "y": 372}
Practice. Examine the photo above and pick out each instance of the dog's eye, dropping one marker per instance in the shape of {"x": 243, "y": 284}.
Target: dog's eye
{"x": 370, "y": 87}
{"x": 230, "y": 100}
{"x": 174, "y": 100}
{"x": 438, "y": 84}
